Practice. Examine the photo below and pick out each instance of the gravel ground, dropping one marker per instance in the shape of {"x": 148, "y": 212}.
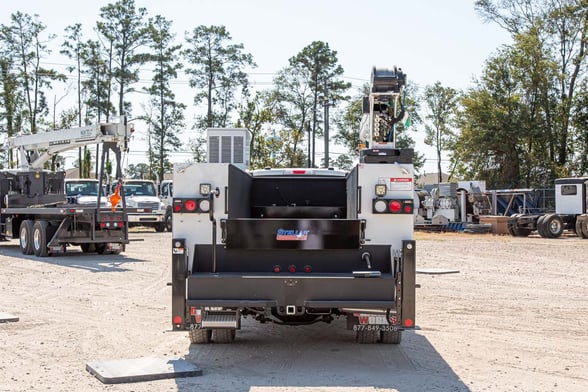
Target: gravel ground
{"x": 515, "y": 318}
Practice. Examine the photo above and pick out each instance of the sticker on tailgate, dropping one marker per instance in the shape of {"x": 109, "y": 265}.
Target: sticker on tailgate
{"x": 291, "y": 235}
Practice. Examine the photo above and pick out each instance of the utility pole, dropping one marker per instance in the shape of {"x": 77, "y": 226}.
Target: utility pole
{"x": 326, "y": 125}
{"x": 309, "y": 152}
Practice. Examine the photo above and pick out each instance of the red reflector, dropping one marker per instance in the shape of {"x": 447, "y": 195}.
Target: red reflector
{"x": 408, "y": 209}
{"x": 277, "y": 269}
{"x": 298, "y": 171}
{"x": 177, "y": 208}
{"x": 292, "y": 268}
{"x": 307, "y": 269}
{"x": 395, "y": 206}
{"x": 408, "y": 323}
{"x": 190, "y": 205}
{"x": 177, "y": 319}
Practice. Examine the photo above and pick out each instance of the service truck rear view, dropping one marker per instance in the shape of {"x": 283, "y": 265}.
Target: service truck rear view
{"x": 298, "y": 246}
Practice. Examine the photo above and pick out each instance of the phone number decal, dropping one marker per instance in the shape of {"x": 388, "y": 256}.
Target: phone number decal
{"x": 375, "y": 328}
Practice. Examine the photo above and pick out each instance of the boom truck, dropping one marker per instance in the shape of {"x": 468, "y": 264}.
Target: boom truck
{"x": 571, "y": 201}
{"x": 299, "y": 245}
{"x": 35, "y": 207}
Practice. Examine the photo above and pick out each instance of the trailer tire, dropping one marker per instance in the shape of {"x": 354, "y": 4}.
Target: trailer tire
{"x": 391, "y": 337}
{"x": 367, "y": 337}
{"x": 511, "y": 224}
{"x": 200, "y": 336}
{"x": 40, "y": 239}
{"x": 223, "y": 335}
{"x": 514, "y": 229}
{"x": 553, "y": 226}
{"x": 26, "y": 237}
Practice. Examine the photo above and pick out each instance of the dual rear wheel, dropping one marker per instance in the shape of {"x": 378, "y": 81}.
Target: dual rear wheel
{"x": 217, "y": 335}
{"x": 372, "y": 337}
{"x": 34, "y": 236}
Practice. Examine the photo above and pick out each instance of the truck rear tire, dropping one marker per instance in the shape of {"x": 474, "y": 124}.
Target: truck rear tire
{"x": 160, "y": 227}
{"x": 100, "y": 248}
{"x": 168, "y": 221}
{"x": 391, "y": 337}
{"x": 553, "y": 226}
{"x": 87, "y": 248}
{"x": 200, "y": 336}
{"x": 582, "y": 226}
{"x": 367, "y": 337}
{"x": 40, "y": 239}
{"x": 541, "y": 226}
{"x": 26, "y": 237}
{"x": 224, "y": 335}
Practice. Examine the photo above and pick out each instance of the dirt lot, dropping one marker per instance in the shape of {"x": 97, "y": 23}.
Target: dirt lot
{"x": 514, "y": 319}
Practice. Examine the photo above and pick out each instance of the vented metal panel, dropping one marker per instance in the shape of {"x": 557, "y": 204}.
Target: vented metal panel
{"x": 238, "y": 149}
{"x": 226, "y": 149}
{"x": 213, "y": 149}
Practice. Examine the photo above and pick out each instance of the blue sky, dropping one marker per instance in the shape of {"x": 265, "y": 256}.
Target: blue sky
{"x": 430, "y": 40}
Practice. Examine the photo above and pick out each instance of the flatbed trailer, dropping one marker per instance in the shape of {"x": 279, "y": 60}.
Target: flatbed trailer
{"x": 46, "y": 230}
{"x": 33, "y": 203}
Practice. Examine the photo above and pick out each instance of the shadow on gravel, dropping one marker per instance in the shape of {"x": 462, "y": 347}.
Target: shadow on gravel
{"x": 268, "y": 356}
{"x": 75, "y": 258}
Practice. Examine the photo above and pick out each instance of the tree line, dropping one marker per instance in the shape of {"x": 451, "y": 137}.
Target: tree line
{"x": 522, "y": 123}
{"x": 525, "y": 120}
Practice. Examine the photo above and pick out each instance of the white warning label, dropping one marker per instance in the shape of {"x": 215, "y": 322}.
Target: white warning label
{"x": 400, "y": 184}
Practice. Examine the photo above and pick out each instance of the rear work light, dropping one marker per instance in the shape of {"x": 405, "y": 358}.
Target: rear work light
{"x": 392, "y": 206}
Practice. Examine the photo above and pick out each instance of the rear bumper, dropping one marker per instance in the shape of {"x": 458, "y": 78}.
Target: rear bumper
{"x": 281, "y": 290}
{"x": 146, "y": 218}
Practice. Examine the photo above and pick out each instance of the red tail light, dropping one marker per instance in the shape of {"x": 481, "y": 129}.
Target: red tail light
{"x": 190, "y": 205}
{"x": 307, "y": 269}
{"x": 277, "y": 269}
{"x": 395, "y": 206}
{"x": 408, "y": 323}
{"x": 292, "y": 269}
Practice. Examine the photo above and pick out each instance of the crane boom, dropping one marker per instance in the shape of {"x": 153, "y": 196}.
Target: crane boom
{"x": 36, "y": 149}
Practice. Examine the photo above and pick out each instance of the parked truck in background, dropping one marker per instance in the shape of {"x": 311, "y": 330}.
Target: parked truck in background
{"x": 166, "y": 194}
{"x": 140, "y": 196}
{"x": 571, "y": 199}
{"x": 298, "y": 246}
{"x": 34, "y": 205}
{"x": 85, "y": 191}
